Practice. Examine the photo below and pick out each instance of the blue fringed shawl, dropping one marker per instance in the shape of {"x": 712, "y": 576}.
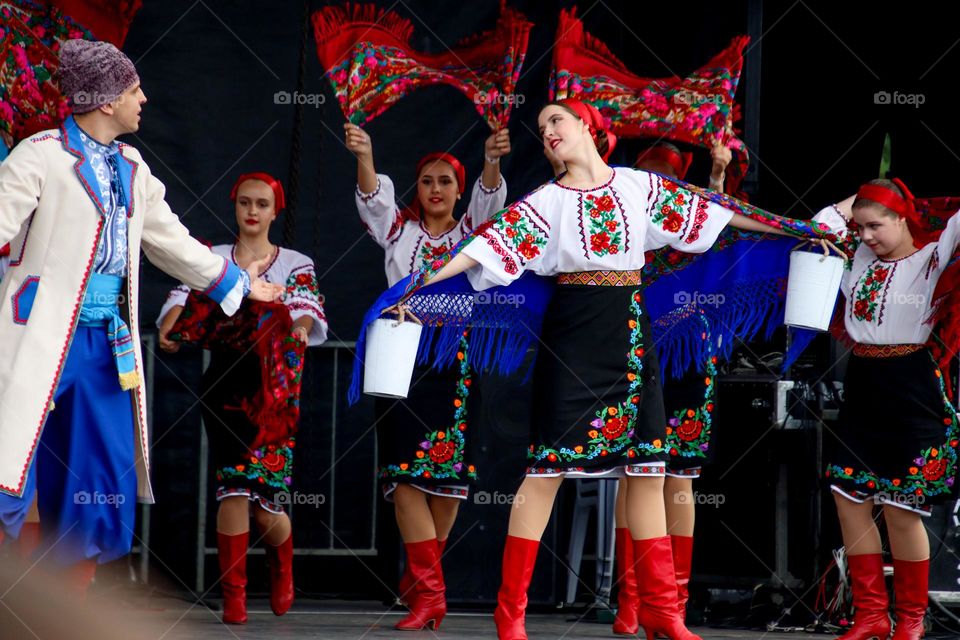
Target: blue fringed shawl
{"x": 746, "y": 274}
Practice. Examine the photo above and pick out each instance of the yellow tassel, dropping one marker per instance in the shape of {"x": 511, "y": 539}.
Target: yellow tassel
{"x": 129, "y": 380}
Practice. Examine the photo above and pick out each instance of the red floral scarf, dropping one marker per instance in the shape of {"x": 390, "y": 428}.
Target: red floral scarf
{"x": 109, "y": 20}
{"x": 264, "y": 329}
{"x": 698, "y": 109}
{"x": 30, "y": 37}
{"x": 368, "y": 58}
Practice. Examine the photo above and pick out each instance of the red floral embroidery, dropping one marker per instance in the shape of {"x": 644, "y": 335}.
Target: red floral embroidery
{"x": 934, "y": 469}
{"x": 273, "y": 461}
{"x": 614, "y": 427}
{"x": 526, "y": 238}
{"x": 689, "y": 430}
{"x": 604, "y": 227}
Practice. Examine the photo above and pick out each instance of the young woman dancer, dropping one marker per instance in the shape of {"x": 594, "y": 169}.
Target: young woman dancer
{"x": 425, "y": 467}
{"x": 899, "y": 453}
{"x": 249, "y": 482}
{"x": 597, "y": 397}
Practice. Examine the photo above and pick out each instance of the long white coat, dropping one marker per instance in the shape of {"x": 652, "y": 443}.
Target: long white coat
{"x": 52, "y": 218}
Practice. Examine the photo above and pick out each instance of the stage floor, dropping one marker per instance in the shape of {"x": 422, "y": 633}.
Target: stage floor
{"x": 334, "y": 620}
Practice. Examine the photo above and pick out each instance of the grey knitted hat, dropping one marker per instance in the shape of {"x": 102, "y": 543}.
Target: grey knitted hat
{"x": 92, "y": 74}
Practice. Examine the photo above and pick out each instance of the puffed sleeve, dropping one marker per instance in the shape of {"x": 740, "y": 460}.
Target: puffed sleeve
{"x": 379, "y": 213}
{"x": 513, "y": 240}
{"x": 680, "y": 218}
{"x": 303, "y": 298}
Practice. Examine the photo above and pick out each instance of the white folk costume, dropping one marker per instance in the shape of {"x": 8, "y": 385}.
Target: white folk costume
{"x": 593, "y": 242}
{"x": 902, "y": 451}
{"x": 423, "y": 439}
{"x": 77, "y": 214}
{"x": 407, "y": 244}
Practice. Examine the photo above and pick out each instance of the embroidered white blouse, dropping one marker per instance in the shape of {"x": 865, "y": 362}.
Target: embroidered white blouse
{"x": 557, "y": 229}
{"x": 291, "y": 268}
{"x": 408, "y": 245}
{"x": 889, "y": 301}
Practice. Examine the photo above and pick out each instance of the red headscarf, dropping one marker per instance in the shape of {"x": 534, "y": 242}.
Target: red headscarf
{"x": 595, "y": 122}
{"x": 415, "y": 211}
{"x": 662, "y": 153}
{"x": 280, "y": 200}
{"x": 904, "y": 206}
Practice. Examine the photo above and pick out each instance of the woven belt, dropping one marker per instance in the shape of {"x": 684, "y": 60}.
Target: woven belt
{"x": 601, "y": 278}
{"x": 885, "y": 350}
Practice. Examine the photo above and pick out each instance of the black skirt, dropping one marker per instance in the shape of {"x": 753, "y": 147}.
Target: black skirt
{"x": 598, "y": 404}
{"x": 263, "y": 475}
{"x": 897, "y": 433}
{"x": 423, "y": 439}
{"x": 689, "y": 403}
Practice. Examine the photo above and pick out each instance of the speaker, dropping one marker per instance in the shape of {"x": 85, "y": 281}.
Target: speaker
{"x": 756, "y": 501}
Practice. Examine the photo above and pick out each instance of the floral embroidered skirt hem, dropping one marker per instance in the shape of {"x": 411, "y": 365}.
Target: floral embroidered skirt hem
{"x": 424, "y": 439}
{"x": 263, "y": 475}
{"x": 597, "y": 400}
{"x": 898, "y": 434}
{"x": 689, "y": 429}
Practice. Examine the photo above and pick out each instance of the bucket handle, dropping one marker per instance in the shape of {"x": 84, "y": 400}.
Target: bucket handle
{"x": 824, "y": 244}
{"x": 402, "y": 311}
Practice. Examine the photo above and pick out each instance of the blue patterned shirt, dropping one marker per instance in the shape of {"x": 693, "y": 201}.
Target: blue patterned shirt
{"x": 111, "y": 256}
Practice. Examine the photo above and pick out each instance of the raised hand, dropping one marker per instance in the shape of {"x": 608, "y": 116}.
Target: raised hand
{"x": 357, "y": 141}
{"x": 497, "y": 145}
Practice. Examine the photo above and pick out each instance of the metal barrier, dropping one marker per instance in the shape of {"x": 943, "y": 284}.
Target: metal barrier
{"x": 329, "y": 361}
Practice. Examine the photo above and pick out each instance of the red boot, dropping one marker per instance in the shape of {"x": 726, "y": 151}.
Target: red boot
{"x": 406, "y": 580}
{"x": 232, "y": 553}
{"x": 910, "y": 582}
{"x": 682, "y": 547}
{"x": 519, "y": 557}
{"x": 29, "y": 539}
{"x": 627, "y": 601}
{"x": 281, "y": 575}
{"x": 79, "y": 577}
{"x": 659, "y": 611}
{"x": 429, "y": 604}
{"x": 871, "y": 619}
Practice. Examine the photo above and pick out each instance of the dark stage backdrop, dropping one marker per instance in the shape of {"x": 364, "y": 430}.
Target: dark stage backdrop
{"x": 211, "y": 69}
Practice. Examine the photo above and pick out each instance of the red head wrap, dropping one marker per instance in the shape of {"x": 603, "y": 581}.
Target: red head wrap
{"x": 589, "y": 114}
{"x": 661, "y": 153}
{"x": 904, "y": 207}
{"x": 280, "y": 200}
{"x": 415, "y": 211}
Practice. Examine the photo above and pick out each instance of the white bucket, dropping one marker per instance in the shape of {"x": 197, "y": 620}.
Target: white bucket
{"x": 812, "y": 289}
{"x": 391, "y": 353}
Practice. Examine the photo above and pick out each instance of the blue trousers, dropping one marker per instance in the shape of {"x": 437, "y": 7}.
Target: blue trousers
{"x": 83, "y": 472}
